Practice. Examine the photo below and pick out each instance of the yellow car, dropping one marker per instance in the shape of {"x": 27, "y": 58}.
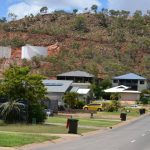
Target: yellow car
{"x": 93, "y": 106}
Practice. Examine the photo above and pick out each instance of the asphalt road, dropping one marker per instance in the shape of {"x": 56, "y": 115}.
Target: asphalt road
{"x": 134, "y": 136}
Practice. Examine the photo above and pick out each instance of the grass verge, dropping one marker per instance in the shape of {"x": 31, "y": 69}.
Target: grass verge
{"x": 85, "y": 122}
{"x": 17, "y": 139}
{"x": 49, "y": 129}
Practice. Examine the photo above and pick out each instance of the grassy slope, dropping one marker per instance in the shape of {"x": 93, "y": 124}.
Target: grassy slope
{"x": 95, "y": 47}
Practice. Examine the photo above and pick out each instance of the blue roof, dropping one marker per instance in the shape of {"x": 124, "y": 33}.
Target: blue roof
{"x": 131, "y": 76}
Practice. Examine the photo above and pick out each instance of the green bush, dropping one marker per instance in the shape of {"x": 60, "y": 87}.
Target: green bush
{"x": 114, "y": 96}
{"x": 80, "y": 24}
{"x": 80, "y": 104}
{"x": 15, "y": 42}
{"x": 145, "y": 100}
{"x": 36, "y": 111}
{"x": 114, "y": 105}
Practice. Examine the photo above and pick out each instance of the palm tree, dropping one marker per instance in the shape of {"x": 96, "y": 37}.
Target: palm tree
{"x": 11, "y": 111}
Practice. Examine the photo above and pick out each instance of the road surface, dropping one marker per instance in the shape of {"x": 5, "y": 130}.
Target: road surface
{"x": 134, "y": 136}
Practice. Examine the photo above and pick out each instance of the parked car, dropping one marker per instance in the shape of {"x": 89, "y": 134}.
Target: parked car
{"x": 93, "y": 106}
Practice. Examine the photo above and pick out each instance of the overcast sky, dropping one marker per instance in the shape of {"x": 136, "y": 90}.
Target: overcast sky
{"x": 26, "y": 7}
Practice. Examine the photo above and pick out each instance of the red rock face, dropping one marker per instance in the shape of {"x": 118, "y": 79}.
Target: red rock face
{"x": 53, "y": 49}
{"x": 16, "y": 53}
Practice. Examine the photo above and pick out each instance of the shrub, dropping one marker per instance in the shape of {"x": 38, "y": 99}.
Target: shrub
{"x": 145, "y": 100}
{"x": 36, "y": 111}
{"x": 71, "y": 99}
{"x": 114, "y": 105}
{"x": 114, "y": 96}
{"x": 80, "y": 104}
{"x": 15, "y": 42}
{"x": 80, "y": 24}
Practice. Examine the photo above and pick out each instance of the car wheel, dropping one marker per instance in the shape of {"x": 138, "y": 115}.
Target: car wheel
{"x": 99, "y": 109}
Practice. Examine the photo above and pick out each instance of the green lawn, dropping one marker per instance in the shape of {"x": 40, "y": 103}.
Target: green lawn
{"x": 40, "y": 129}
{"x": 132, "y": 113}
{"x": 17, "y": 139}
{"x": 84, "y": 122}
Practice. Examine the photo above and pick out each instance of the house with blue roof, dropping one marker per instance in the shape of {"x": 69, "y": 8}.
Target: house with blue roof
{"x": 132, "y": 80}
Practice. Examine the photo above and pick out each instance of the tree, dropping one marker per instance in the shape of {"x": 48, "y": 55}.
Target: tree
{"x": 94, "y": 8}
{"x": 75, "y": 11}
{"x": 125, "y": 13}
{"x": 103, "y": 19}
{"x": 3, "y": 20}
{"x": 99, "y": 86}
{"x": 19, "y": 86}
{"x": 12, "y": 111}
{"x": 44, "y": 10}
{"x": 12, "y": 16}
{"x": 71, "y": 99}
{"x": 114, "y": 13}
{"x": 80, "y": 24}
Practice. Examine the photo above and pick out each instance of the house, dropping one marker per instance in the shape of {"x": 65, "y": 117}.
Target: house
{"x": 84, "y": 94}
{"x": 126, "y": 96}
{"x": 76, "y": 76}
{"x": 134, "y": 81}
{"x": 55, "y": 92}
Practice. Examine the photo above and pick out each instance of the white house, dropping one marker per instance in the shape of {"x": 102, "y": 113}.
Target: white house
{"x": 83, "y": 93}
{"x": 126, "y": 96}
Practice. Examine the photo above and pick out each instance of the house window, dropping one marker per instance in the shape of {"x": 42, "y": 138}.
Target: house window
{"x": 141, "y": 81}
{"x": 134, "y": 81}
{"x": 115, "y": 81}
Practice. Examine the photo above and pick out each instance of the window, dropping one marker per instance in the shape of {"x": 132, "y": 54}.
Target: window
{"x": 134, "y": 81}
{"x": 141, "y": 81}
{"x": 115, "y": 81}
{"x": 128, "y": 81}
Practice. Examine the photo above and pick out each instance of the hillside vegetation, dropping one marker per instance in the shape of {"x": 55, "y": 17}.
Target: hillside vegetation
{"x": 106, "y": 44}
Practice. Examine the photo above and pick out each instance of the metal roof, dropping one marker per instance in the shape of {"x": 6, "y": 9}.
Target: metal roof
{"x": 120, "y": 89}
{"x": 76, "y": 74}
{"x": 131, "y": 76}
{"x": 116, "y": 89}
{"x": 74, "y": 89}
{"x": 57, "y": 86}
{"x": 83, "y": 91}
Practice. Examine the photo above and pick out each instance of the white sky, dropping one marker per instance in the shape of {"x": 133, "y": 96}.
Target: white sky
{"x": 130, "y": 5}
{"x": 27, "y": 7}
